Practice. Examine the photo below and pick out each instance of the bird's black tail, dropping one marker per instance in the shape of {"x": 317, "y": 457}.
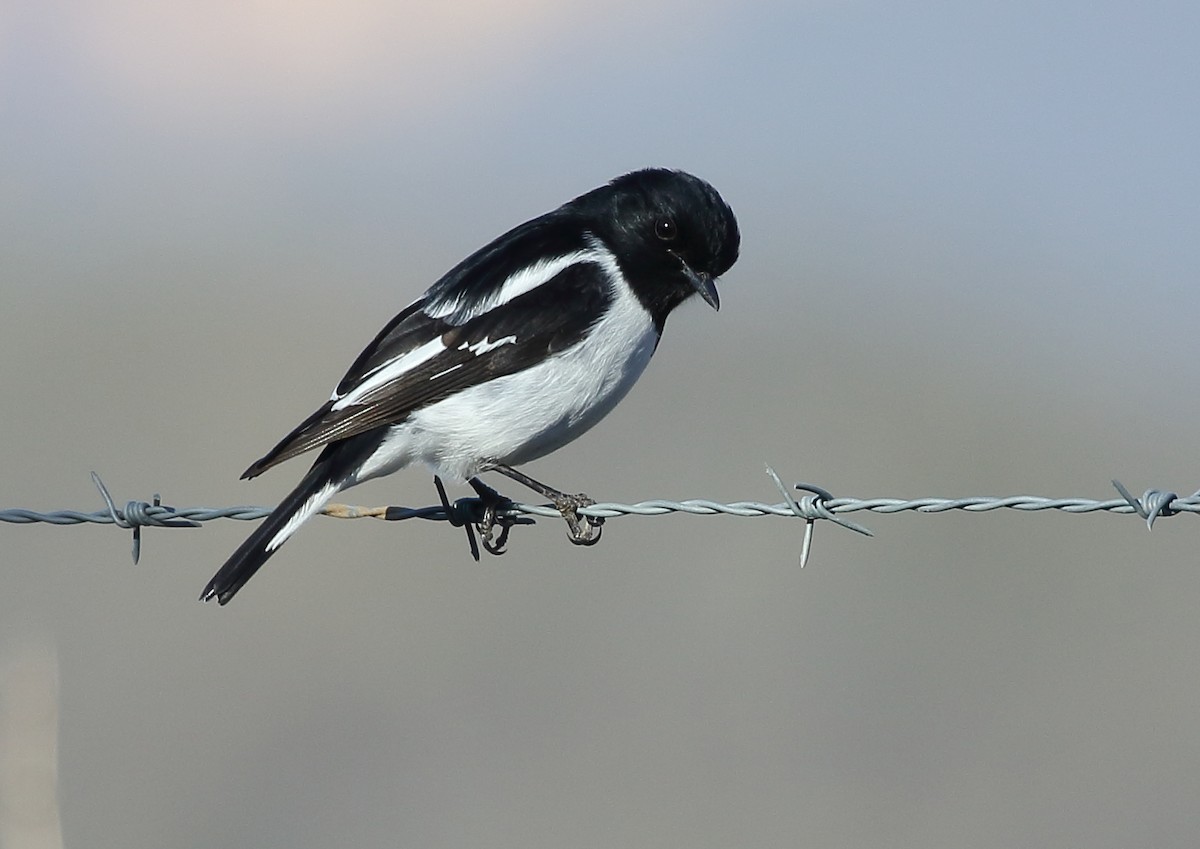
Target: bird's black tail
{"x": 323, "y": 480}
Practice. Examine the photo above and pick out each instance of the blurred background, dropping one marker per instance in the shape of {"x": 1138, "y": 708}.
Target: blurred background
{"x": 969, "y": 267}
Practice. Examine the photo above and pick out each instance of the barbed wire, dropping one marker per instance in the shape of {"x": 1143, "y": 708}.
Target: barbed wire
{"x": 817, "y": 504}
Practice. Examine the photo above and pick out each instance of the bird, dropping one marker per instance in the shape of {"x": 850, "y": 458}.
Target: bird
{"x": 513, "y": 353}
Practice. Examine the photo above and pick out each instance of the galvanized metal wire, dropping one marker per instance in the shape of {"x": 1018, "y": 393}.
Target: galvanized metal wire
{"x": 816, "y": 505}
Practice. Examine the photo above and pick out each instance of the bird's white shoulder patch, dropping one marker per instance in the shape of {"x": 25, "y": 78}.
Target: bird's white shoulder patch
{"x": 527, "y": 279}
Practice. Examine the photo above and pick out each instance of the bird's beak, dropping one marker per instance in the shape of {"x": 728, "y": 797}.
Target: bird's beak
{"x": 705, "y": 286}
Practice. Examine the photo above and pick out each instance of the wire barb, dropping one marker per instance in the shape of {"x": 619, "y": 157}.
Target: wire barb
{"x": 1151, "y": 505}
{"x": 810, "y": 508}
{"x": 137, "y": 514}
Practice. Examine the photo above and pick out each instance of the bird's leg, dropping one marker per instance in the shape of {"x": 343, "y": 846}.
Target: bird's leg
{"x": 492, "y": 502}
{"x": 567, "y": 505}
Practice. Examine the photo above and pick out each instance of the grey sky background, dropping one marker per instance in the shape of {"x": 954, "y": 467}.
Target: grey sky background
{"x": 969, "y": 265}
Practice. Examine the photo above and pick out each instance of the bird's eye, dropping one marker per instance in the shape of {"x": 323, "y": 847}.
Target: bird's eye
{"x": 665, "y": 229}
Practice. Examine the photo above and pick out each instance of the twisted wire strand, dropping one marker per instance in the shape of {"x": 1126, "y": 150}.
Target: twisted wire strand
{"x": 818, "y": 504}
{"x": 140, "y": 513}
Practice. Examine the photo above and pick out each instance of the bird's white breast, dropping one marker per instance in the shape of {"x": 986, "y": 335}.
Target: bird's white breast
{"x": 520, "y": 417}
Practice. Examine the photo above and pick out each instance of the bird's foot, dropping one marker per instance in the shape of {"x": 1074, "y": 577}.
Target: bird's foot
{"x": 493, "y": 503}
{"x": 586, "y": 532}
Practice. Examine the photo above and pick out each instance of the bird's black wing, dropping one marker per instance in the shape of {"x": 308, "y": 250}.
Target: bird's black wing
{"x": 419, "y": 359}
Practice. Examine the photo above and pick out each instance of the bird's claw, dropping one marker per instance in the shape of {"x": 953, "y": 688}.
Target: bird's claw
{"x": 493, "y": 504}
{"x": 581, "y": 530}
{"x": 488, "y": 524}
{"x": 580, "y": 533}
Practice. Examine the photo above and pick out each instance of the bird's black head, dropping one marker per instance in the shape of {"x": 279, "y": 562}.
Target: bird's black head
{"x": 671, "y": 233}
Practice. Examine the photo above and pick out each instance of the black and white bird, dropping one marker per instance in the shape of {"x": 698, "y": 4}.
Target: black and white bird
{"x": 516, "y": 351}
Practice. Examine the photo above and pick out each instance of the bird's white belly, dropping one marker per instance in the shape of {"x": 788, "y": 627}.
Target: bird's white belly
{"x": 520, "y": 417}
